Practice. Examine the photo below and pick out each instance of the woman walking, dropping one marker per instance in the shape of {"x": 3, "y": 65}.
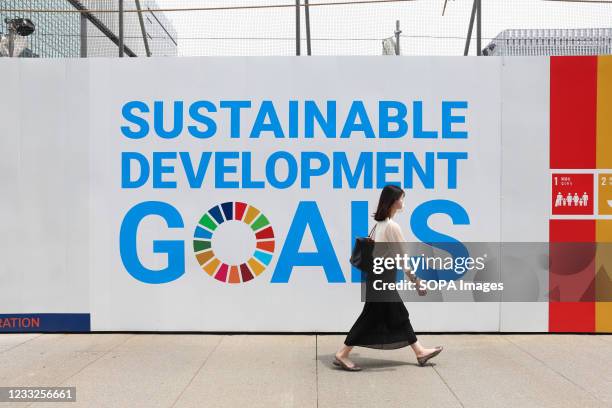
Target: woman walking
{"x": 385, "y": 325}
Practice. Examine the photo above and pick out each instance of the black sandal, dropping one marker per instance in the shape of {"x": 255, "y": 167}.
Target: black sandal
{"x": 423, "y": 360}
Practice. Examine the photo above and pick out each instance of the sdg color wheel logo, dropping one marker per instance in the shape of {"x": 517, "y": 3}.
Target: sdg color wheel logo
{"x": 233, "y": 242}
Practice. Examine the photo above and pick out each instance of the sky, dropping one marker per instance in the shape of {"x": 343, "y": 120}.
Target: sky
{"x": 359, "y": 29}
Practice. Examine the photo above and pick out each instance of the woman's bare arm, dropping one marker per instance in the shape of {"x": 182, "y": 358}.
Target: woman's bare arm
{"x": 396, "y": 236}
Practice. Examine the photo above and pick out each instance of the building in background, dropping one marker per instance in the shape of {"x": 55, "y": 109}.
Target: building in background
{"x": 95, "y": 32}
{"x": 56, "y": 34}
{"x": 588, "y": 41}
{"x": 159, "y": 34}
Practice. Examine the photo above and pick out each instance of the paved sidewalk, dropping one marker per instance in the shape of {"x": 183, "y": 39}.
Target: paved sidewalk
{"x": 145, "y": 370}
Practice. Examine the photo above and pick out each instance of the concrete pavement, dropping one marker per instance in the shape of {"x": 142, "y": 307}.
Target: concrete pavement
{"x": 196, "y": 370}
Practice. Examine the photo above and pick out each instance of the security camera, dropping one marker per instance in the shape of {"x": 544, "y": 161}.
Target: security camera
{"x": 22, "y": 26}
{"x": 488, "y": 49}
{"x": 15, "y": 41}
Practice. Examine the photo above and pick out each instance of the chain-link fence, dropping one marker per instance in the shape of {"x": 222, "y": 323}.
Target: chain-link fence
{"x": 92, "y": 28}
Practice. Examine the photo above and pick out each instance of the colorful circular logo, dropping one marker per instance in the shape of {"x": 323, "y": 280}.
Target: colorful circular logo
{"x": 263, "y": 239}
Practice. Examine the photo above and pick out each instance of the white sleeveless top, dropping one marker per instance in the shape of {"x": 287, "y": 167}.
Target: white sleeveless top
{"x": 388, "y": 231}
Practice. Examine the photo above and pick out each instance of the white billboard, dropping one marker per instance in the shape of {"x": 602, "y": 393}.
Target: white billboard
{"x": 224, "y": 194}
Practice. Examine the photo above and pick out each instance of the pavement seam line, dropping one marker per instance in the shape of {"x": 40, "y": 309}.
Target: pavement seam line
{"x": 317, "y": 366}
{"x": 93, "y": 361}
{"x": 448, "y": 386}
{"x": 197, "y": 371}
{"x": 21, "y": 344}
{"x": 88, "y": 364}
{"x": 599, "y": 338}
{"x": 553, "y": 370}
{"x": 33, "y": 338}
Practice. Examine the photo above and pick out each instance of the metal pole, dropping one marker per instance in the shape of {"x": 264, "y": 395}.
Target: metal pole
{"x": 470, "y": 27}
{"x": 479, "y": 29}
{"x": 11, "y": 40}
{"x": 83, "y": 53}
{"x": 397, "y": 37}
{"x": 120, "y": 28}
{"x": 111, "y": 35}
{"x": 297, "y": 27}
{"x": 142, "y": 29}
{"x": 307, "y": 15}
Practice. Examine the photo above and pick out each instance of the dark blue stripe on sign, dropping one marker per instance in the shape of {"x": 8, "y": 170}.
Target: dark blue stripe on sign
{"x": 45, "y": 322}
{"x": 227, "y": 210}
{"x": 216, "y": 213}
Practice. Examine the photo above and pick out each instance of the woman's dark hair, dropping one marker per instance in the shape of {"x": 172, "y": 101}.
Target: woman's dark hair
{"x": 389, "y": 195}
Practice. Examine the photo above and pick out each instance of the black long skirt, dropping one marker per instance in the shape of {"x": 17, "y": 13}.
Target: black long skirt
{"x": 382, "y": 324}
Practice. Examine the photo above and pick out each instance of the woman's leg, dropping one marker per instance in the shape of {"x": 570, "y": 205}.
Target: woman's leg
{"x": 344, "y": 351}
{"x": 417, "y": 347}
{"x": 342, "y": 355}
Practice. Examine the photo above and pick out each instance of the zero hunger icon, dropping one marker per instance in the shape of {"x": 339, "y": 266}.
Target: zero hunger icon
{"x": 218, "y": 267}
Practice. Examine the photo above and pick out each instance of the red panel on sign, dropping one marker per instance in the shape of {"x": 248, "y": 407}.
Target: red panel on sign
{"x": 571, "y": 317}
{"x": 572, "y": 231}
{"x": 572, "y": 276}
{"x": 573, "y": 112}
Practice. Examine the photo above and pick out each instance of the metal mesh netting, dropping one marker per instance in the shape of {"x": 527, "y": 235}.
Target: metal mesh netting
{"x": 591, "y": 41}
{"x": 56, "y": 34}
{"x": 157, "y": 28}
{"x": 91, "y": 27}
{"x": 268, "y": 27}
